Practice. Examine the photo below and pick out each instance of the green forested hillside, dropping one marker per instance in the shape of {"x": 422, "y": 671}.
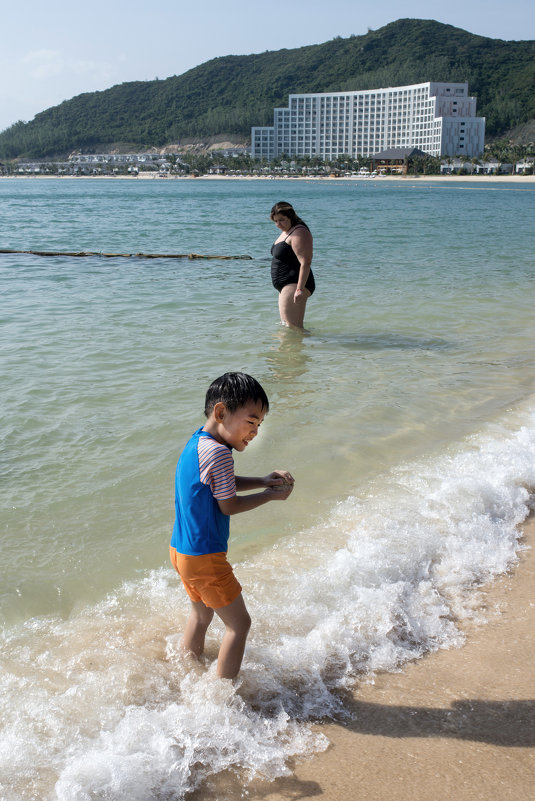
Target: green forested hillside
{"x": 228, "y": 95}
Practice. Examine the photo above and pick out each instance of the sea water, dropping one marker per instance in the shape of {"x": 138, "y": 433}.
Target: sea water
{"x": 406, "y": 413}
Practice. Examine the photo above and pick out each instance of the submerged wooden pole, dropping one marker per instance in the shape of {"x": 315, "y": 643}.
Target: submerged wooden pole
{"x": 82, "y": 253}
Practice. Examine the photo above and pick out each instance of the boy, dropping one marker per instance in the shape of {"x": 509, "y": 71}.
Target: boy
{"x": 205, "y": 497}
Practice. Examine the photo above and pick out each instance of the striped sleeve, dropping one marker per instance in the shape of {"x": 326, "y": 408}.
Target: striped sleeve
{"x": 216, "y": 467}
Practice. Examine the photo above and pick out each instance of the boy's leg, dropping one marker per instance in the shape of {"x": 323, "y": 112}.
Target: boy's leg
{"x": 237, "y": 624}
{"x": 199, "y": 619}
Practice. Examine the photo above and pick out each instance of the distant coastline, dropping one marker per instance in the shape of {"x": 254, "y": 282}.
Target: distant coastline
{"x": 477, "y": 179}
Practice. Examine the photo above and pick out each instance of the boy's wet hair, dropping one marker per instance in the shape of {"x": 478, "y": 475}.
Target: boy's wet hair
{"x": 234, "y": 390}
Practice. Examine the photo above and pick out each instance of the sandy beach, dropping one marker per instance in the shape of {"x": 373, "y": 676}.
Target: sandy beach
{"x": 458, "y": 724}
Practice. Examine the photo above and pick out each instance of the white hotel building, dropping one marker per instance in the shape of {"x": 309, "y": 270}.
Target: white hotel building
{"x": 438, "y": 118}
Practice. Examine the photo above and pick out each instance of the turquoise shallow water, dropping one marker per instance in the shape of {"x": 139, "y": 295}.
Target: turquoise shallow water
{"x": 405, "y": 413}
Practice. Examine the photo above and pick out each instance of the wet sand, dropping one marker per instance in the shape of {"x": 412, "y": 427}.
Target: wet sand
{"x": 458, "y": 724}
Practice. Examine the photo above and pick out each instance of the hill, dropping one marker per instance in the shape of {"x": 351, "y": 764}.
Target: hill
{"x": 226, "y": 96}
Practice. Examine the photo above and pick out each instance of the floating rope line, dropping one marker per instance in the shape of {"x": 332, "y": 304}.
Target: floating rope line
{"x": 123, "y": 255}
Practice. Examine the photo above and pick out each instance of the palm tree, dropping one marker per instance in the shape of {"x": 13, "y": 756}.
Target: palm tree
{"x": 473, "y": 162}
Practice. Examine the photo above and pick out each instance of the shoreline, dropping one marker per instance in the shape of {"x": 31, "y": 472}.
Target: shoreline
{"x": 484, "y": 179}
{"x": 456, "y": 724}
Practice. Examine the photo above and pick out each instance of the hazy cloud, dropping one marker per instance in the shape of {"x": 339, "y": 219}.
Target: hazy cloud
{"x": 42, "y": 65}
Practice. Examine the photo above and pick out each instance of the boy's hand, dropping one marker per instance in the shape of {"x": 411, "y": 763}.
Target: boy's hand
{"x": 280, "y": 482}
{"x": 278, "y": 478}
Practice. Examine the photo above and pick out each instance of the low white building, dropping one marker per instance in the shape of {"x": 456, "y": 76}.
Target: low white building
{"x": 114, "y": 158}
{"x": 475, "y": 167}
{"x": 438, "y": 118}
{"x": 493, "y": 167}
{"x": 526, "y": 165}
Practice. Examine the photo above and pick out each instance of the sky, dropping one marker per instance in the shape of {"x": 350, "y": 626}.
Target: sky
{"x": 51, "y": 51}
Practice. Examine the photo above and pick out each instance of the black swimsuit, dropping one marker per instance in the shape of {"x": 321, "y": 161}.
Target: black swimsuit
{"x": 285, "y": 267}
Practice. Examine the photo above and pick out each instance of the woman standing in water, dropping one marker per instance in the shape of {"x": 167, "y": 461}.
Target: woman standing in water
{"x": 290, "y": 267}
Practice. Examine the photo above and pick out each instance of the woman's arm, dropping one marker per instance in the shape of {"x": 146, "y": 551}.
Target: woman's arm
{"x": 301, "y": 242}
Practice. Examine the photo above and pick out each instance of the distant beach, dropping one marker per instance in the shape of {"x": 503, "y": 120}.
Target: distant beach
{"x": 480, "y": 179}
{"x": 500, "y": 179}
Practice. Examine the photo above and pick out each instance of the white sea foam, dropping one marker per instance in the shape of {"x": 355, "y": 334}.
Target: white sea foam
{"x": 105, "y": 706}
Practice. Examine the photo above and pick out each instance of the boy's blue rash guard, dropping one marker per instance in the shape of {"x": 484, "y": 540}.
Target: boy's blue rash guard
{"x": 200, "y": 526}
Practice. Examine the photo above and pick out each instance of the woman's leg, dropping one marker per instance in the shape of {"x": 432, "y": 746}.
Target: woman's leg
{"x": 292, "y": 314}
{"x": 237, "y": 624}
{"x": 199, "y": 619}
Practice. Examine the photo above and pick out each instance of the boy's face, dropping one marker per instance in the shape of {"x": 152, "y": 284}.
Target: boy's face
{"x": 236, "y": 429}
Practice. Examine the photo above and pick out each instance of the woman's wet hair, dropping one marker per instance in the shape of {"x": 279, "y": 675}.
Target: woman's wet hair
{"x": 288, "y": 211}
{"x": 234, "y": 390}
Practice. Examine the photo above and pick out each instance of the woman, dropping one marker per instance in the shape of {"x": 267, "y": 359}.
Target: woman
{"x": 290, "y": 267}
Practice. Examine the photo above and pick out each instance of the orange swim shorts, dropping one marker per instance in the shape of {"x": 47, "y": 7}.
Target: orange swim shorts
{"x": 208, "y": 578}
